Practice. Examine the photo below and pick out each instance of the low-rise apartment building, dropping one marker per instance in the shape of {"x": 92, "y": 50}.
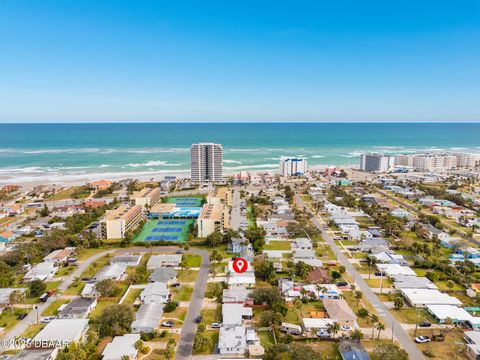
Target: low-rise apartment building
{"x": 146, "y": 198}
{"x": 117, "y": 222}
{"x": 212, "y": 217}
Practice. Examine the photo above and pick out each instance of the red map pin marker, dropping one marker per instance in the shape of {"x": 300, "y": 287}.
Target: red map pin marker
{"x": 240, "y": 265}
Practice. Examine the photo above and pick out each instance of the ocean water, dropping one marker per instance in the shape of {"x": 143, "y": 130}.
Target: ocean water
{"x": 32, "y": 152}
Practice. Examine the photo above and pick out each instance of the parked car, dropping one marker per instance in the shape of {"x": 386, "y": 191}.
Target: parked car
{"x": 216, "y": 325}
{"x": 199, "y": 319}
{"x": 342, "y": 283}
{"x": 424, "y": 324}
{"x": 168, "y": 323}
{"x": 22, "y": 316}
{"x": 44, "y": 297}
{"x": 322, "y": 334}
{"x": 345, "y": 328}
{"x": 179, "y": 251}
{"x": 47, "y": 319}
{"x": 379, "y": 273}
{"x": 422, "y": 339}
{"x": 176, "y": 284}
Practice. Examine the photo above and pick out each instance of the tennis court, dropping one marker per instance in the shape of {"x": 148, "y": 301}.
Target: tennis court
{"x": 186, "y": 201}
{"x": 168, "y": 230}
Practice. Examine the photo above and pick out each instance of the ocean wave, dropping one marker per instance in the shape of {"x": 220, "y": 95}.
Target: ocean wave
{"x": 317, "y": 156}
{"x": 227, "y": 161}
{"x": 152, "y": 163}
{"x": 246, "y": 167}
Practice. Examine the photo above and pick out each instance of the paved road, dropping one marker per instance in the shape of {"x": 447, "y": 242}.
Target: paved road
{"x": 236, "y": 216}
{"x": 23, "y": 325}
{"x": 185, "y": 346}
{"x": 405, "y": 342}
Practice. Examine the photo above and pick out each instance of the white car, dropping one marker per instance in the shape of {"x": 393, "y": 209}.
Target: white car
{"x": 216, "y": 325}
{"x": 323, "y": 334}
{"x": 47, "y": 319}
{"x": 422, "y": 339}
{"x": 345, "y": 328}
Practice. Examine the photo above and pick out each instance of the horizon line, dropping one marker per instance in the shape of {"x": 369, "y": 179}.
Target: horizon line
{"x": 237, "y": 122}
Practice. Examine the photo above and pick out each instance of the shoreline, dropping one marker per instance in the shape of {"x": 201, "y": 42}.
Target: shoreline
{"x": 29, "y": 180}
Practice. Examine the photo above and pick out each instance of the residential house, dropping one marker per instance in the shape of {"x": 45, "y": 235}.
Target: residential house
{"x": 339, "y": 311}
{"x": 156, "y": 292}
{"x": 111, "y": 272}
{"x": 63, "y": 331}
{"x": 232, "y": 340}
{"x": 60, "y": 256}
{"x": 352, "y": 350}
{"x": 233, "y": 314}
{"x": 163, "y": 275}
{"x": 126, "y": 260}
{"x": 42, "y": 271}
{"x": 319, "y": 276}
{"x": 164, "y": 260}
{"x": 147, "y": 318}
{"x": 121, "y": 347}
{"x": 237, "y": 295}
{"x": 78, "y": 308}
{"x": 420, "y": 298}
{"x": 307, "y": 256}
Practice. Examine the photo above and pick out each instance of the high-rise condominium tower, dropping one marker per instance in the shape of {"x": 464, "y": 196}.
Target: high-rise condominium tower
{"x": 206, "y": 164}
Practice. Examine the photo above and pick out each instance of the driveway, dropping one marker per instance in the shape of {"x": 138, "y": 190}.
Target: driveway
{"x": 405, "y": 342}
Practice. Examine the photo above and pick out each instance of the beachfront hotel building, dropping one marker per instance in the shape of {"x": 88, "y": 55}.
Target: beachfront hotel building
{"x": 376, "y": 162}
{"x": 206, "y": 162}
{"x": 117, "y": 222}
{"x": 291, "y": 166}
{"x": 212, "y": 217}
{"x": 438, "y": 161}
{"x": 221, "y": 195}
{"x": 146, "y": 198}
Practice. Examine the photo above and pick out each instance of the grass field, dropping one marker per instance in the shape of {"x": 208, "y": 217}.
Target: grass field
{"x": 192, "y": 260}
{"x": 278, "y": 245}
{"x": 184, "y": 293}
{"x": 51, "y": 310}
{"x": 132, "y": 296}
{"x": 186, "y": 276}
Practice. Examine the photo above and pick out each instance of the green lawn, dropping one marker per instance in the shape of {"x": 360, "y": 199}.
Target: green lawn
{"x": 266, "y": 338}
{"x": 7, "y": 320}
{"x": 75, "y": 289}
{"x": 52, "y": 285}
{"x": 211, "y": 315}
{"x": 64, "y": 270}
{"x": 51, "y": 310}
{"x": 132, "y": 296}
{"x": 409, "y": 316}
{"x": 192, "y": 260}
{"x": 278, "y": 245}
{"x": 214, "y": 337}
{"x": 32, "y": 330}
{"x": 183, "y": 293}
{"x": 64, "y": 194}
{"x": 101, "y": 304}
{"x": 187, "y": 276}
{"x": 96, "y": 266}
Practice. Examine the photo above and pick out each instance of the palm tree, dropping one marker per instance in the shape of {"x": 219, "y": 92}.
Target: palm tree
{"x": 356, "y": 335}
{"x": 379, "y": 327}
{"x": 333, "y": 328}
{"x": 371, "y": 261}
{"x": 357, "y": 295}
{"x": 373, "y": 320}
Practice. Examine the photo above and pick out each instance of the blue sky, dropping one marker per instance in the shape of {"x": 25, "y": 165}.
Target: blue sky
{"x": 243, "y": 60}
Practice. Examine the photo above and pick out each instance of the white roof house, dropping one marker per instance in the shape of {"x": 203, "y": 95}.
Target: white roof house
{"x": 127, "y": 260}
{"x": 412, "y": 282}
{"x": 5, "y": 294}
{"x": 275, "y": 254}
{"x": 112, "y": 272}
{"x": 232, "y": 340}
{"x": 90, "y": 290}
{"x": 241, "y": 279}
{"x": 392, "y": 270}
{"x": 164, "y": 260}
{"x": 156, "y": 292}
{"x": 41, "y": 271}
{"x": 233, "y": 314}
{"x": 235, "y": 295}
{"x": 302, "y": 243}
{"x": 457, "y": 314}
{"x": 63, "y": 331}
{"x": 307, "y": 256}
{"x": 121, "y": 346}
{"x": 148, "y": 318}
{"x": 389, "y": 257}
{"x": 424, "y": 297}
